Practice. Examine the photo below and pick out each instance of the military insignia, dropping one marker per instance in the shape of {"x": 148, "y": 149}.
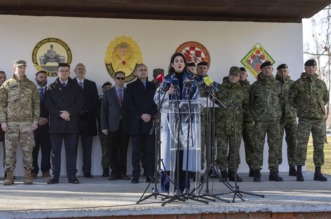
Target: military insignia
{"x": 48, "y": 53}
{"x": 123, "y": 54}
{"x": 194, "y": 52}
{"x": 254, "y": 58}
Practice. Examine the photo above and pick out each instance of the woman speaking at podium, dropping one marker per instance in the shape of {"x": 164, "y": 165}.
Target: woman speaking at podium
{"x": 178, "y": 87}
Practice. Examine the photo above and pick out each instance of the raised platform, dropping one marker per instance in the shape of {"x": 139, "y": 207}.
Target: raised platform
{"x": 99, "y": 197}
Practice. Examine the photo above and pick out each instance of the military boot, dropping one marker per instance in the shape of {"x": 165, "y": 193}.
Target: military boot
{"x": 224, "y": 176}
{"x": 9, "y": 179}
{"x": 273, "y": 176}
{"x": 27, "y": 177}
{"x": 292, "y": 171}
{"x": 318, "y": 176}
{"x": 251, "y": 173}
{"x": 232, "y": 176}
{"x": 257, "y": 175}
{"x": 299, "y": 174}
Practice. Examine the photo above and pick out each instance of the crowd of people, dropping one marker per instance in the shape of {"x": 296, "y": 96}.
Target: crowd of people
{"x": 38, "y": 116}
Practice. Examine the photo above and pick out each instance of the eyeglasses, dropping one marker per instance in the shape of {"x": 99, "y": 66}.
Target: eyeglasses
{"x": 119, "y": 78}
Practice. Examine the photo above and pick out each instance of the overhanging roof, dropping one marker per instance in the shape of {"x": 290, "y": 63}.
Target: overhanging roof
{"x": 204, "y": 10}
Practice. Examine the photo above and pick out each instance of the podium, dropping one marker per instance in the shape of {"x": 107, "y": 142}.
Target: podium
{"x": 181, "y": 133}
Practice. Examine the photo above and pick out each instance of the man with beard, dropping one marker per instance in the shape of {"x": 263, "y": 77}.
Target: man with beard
{"x": 41, "y": 135}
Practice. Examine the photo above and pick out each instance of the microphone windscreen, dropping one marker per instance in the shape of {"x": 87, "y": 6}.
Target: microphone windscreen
{"x": 159, "y": 78}
{"x": 166, "y": 85}
{"x": 175, "y": 81}
{"x": 208, "y": 81}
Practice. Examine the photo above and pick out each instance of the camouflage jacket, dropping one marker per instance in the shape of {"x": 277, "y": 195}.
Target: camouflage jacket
{"x": 264, "y": 99}
{"x": 248, "y": 116}
{"x": 232, "y": 96}
{"x": 19, "y": 101}
{"x": 309, "y": 95}
{"x": 288, "y": 111}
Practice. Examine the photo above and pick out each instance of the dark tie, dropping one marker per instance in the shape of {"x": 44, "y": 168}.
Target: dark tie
{"x": 41, "y": 94}
{"x": 81, "y": 85}
{"x": 120, "y": 96}
{"x": 64, "y": 84}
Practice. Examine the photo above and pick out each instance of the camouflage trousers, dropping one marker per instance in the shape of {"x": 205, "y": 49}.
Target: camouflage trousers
{"x": 228, "y": 151}
{"x": 248, "y": 138}
{"x": 19, "y": 132}
{"x": 105, "y": 150}
{"x": 271, "y": 129}
{"x": 290, "y": 128}
{"x": 317, "y": 128}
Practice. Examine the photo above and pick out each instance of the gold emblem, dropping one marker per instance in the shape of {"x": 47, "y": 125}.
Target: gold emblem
{"x": 48, "y": 53}
{"x": 123, "y": 54}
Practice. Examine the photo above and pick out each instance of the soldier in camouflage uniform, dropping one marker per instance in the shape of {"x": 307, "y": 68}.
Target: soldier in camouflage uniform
{"x": 19, "y": 114}
{"x": 3, "y": 78}
{"x": 264, "y": 102}
{"x": 288, "y": 121}
{"x": 102, "y": 137}
{"x": 228, "y": 128}
{"x": 309, "y": 95}
{"x": 248, "y": 124}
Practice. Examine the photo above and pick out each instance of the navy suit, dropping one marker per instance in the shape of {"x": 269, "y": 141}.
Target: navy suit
{"x": 114, "y": 117}
{"x": 87, "y": 121}
{"x": 42, "y": 140}
{"x": 139, "y": 100}
{"x": 69, "y": 98}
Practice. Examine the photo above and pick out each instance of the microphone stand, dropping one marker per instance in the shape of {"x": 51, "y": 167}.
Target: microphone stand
{"x": 157, "y": 155}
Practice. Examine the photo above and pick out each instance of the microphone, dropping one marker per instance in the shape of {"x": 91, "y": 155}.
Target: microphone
{"x": 210, "y": 83}
{"x": 188, "y": 82}
{"x": 175, "y": 83}
{"x": 166, "y": 86}
{"x": 159, "y": 78}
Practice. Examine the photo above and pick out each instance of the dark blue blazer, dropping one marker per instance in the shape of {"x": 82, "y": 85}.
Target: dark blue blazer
{"x": 139, "y": 100}
{"x": 87, "y": 115}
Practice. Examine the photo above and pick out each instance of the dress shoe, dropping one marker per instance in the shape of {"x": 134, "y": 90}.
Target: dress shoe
{"x": 88, "y": 175}
{"x": 105, "y": 172}
{"x": 125, "y": 177}
{"x": 53, "y": 181}
{"x": 46, "y": 175}
{"x": 34, "y": 175}
{"x": 113, "y": 177}
{"x": 73, "y": 181}
{"x": 135, "y": 180}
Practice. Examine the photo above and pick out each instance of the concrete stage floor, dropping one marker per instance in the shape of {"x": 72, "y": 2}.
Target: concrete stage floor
{"x": 99, "y": 197}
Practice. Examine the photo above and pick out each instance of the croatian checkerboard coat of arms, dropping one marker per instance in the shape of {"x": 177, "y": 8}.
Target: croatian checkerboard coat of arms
{"x": 254, "y": 58}
{"x": 194, "y": 52}
{"x": 48, "y": 53}
{"x": 123, "y": 54}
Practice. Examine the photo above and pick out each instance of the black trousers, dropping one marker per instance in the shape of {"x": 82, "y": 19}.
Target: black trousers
{"x": 87, "y": 151}
{"x": 118, "y": 144}
{"x": 71, "y": 155}
{"x": 43, "y": 143}
{"x": 138, "y": 141}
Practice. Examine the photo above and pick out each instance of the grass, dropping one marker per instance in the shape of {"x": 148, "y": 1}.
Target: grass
{"x": 326, "y": 168}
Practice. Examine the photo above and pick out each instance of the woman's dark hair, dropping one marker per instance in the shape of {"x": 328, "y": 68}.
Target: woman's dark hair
{"x": 172, "y": 59}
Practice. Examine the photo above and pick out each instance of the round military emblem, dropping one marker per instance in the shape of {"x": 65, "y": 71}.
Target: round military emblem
{"x": 194, "y": 52}
{"x": 48, "y": 53}
{"x": 123, "y": 54}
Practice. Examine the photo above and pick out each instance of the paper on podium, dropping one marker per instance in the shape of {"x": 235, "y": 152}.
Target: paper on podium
{"x": 206, "y": 102}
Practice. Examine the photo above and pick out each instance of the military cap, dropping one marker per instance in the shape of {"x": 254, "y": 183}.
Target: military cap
{"x": 282, "y": 66}
{"x": 310, "y": 62}
{"x": 190, "y": 64}
{"x": 242, "y": 69}
{"x": 234, "y": 70}
{"x": 202, "y": 63}
{"x": 158, "y": 71}
{"x": 19, "y": 63}
{"x": 106, "y": 84}
{"x": 264, "y": 64}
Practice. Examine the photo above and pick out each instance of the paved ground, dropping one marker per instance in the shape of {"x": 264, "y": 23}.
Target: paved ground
{"x": 101, "y": 197}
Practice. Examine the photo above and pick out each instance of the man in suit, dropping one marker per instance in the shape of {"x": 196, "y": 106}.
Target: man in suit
{"x": 87, "y": 121}
{"x": 114, "y": 123}
{"x": 64, "y": 100}
{"x": 142, "y": 108}
{"x": 41, "y": 135}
